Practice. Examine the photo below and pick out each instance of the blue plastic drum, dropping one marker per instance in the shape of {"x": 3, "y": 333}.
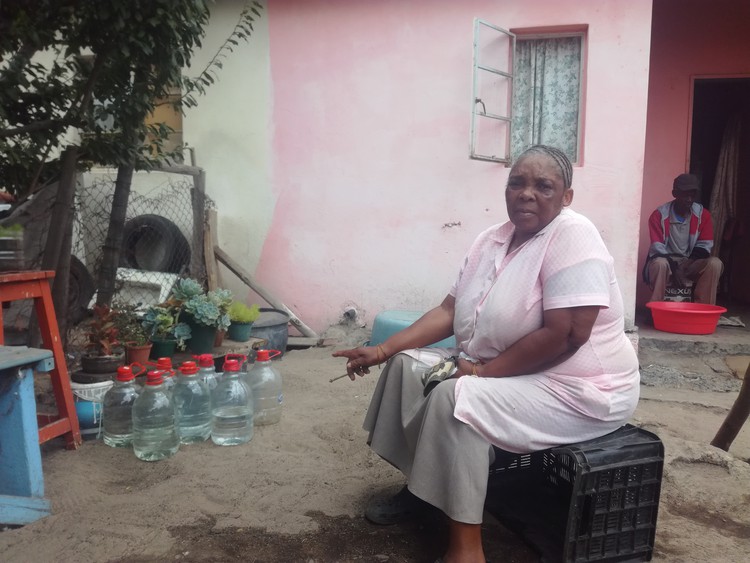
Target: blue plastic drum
{"x": 387, "y": 323}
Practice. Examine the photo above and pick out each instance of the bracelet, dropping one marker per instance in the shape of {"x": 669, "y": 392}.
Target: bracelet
{"x": 379, "y": 351}
{"x": 474, "y": 370}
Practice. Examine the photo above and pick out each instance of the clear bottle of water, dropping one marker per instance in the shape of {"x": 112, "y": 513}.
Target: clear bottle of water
{"x": 192, "y": 404}
{"x": 266, "y": 384}
{"x": 164, "y": 365}
{"x": 232, "y": 410}
{"x": 117, "y": 406}
{"x": 207, "y": 371}
{"x": 154, "y": 433}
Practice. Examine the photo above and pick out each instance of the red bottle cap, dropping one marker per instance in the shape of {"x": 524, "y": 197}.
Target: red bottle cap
{"x": 125, "y": 373}
{"x": 231, "y": 365}
{"x": 188, "y": 368}
{"x": 154, "y": 377}
{"x": 206, "y": 360}
{"x": 266, "y": 355}
{"x": 164, "y": 363}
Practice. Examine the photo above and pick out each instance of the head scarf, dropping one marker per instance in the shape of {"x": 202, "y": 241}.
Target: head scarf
{"x": 566, "y": 168}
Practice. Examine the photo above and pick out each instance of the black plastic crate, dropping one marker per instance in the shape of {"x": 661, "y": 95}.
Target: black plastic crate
{"x": 592, "y": 501}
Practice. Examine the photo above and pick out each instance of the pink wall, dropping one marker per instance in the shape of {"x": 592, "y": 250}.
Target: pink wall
{"x": 690, "y": 38}
{"x": 370, "y": 121}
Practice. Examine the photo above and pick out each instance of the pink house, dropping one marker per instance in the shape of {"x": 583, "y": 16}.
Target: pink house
{"x": 339, "y": 142}
{"x": 698, "y": 114}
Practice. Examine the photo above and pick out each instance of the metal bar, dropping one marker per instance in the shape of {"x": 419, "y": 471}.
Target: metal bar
{"x": 495, "y": 71}
{"x": 494, "y": 116}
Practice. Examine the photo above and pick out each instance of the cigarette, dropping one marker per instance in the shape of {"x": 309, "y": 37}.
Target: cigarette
{"x": 339, "y": 377}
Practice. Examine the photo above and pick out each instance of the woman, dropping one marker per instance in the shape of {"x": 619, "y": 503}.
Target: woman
{"x": 538, "y": 319}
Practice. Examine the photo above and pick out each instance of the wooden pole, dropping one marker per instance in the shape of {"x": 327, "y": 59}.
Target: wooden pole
{"x": 197, "y": 260}
{"x": 209, "y": 243}
{"x": 736, "y": 418}
{"x": 241, "y": 273}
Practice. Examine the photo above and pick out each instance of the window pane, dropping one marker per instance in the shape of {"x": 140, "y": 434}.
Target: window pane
{"x": 546, "y": 94}
{"x": 490, "y": 118}
{"x": 490, "y": 138}
{"x": 493, "y": 93}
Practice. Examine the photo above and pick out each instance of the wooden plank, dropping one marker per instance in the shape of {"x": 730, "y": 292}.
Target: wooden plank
{"x": 198, "y": 197}
{"x": 209, "y": 243}
{"x": 304, "y": 341}
{"x": 179, "y": 169}
{"x": 253, "y": 284}
{"x": 21, "y": 510}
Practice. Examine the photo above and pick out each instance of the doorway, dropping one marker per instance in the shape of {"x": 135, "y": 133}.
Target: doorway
{"x": 722, "y": 105}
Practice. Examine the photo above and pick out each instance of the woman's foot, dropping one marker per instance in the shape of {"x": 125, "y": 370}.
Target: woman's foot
{"x": 401, "y": 507}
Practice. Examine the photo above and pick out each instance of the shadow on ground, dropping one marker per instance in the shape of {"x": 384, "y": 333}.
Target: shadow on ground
{"x": 338, "y": 539}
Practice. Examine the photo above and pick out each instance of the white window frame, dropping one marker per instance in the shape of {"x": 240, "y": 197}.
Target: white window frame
{"x": 477, "y": 107}
{"x": 478, "y": 113}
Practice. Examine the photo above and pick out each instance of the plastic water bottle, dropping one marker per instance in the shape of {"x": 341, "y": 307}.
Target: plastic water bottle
{"x": 265, "y": 381}
{"x": 232, "y": 400}
{"x": 164, "y": 365}
{"x": 207, "y": 371}
{"x": 192, "y": 404}
{"x": 154, "y": 433}
{"x": 117, "y": 408}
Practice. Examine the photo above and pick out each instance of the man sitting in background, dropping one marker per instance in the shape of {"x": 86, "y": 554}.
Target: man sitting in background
{"x": 682, "y": 236}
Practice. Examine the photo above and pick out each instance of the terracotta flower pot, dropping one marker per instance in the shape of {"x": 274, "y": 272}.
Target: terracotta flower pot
{"x": 219, "y": 338}
{"x": 138, "y": 354}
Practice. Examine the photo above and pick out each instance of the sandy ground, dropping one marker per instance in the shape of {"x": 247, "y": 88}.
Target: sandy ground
{"x": 296, "y": 492}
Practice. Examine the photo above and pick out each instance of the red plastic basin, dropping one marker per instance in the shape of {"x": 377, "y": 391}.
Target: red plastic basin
{"x": 685, "y": 318}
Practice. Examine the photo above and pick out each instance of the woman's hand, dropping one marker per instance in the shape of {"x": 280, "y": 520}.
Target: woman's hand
{"x": 465, "y": 367}
{"x": 360, "y": 359}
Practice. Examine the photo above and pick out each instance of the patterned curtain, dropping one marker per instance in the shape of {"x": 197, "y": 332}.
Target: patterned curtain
{"x": 724, "y": 193}
{"x": 546, "y": 91}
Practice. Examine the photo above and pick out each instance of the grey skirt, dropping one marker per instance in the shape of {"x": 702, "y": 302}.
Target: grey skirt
{"x": 445, "y": 461}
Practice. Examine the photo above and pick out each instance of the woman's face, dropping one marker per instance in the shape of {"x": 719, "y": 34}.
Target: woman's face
{"x": 535, "y": 194}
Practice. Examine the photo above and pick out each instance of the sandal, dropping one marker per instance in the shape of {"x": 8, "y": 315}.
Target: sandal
{"x": 401, "y": 507}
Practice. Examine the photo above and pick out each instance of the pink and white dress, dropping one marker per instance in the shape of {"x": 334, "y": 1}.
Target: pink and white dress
{"x": 501, "y": 297}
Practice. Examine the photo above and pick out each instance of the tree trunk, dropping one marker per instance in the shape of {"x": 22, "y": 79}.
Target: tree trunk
{"x": 61, "y": 287}
{"x": 736, "y": 418}
{"x": 113, "y": 244}
{"x": 57, "y": 247}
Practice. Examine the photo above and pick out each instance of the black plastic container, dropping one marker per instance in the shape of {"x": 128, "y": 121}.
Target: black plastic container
{"x": 592, "y": 501}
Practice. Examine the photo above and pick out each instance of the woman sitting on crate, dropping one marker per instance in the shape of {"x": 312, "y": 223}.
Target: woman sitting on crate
{"x": 542, "y": 357}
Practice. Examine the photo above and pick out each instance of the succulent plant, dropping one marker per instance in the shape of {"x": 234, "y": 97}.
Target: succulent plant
{"x": 161, "y": 322}
{"x": 241, "y": 313}
{"x": 205, "y": 308}
{"x": 186, "y": 288}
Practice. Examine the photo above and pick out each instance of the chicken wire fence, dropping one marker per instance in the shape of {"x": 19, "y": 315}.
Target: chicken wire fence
{"x": 160, "y": 243}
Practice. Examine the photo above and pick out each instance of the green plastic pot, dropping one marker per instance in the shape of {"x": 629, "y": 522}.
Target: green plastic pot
{"x": 202, "y": 339}
{"x": 239, "y": 332}
{"x": 162, "y": 349}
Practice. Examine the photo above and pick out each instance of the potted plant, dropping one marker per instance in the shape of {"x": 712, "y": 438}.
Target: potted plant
{"x": 242, "y": 318}
{"x": 205, "y": 312}
{"x": 103, "y": 347}
{"x": 165, "y": 331}
{"x": 132, "y": 333}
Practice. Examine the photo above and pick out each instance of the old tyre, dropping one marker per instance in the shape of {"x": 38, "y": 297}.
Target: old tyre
{"x": 80, "y": 290}
{"x": 154, "y": 243}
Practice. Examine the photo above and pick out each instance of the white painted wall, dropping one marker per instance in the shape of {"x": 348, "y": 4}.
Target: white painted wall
{"x": 230, "y": 130}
